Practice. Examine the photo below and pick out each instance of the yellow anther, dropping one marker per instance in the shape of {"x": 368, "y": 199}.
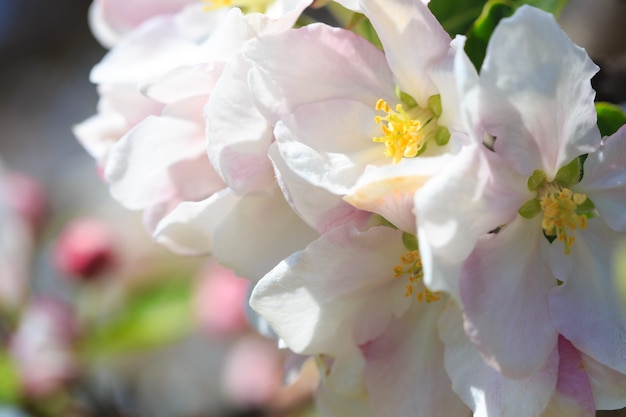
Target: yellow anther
{"x": 411, "y": 267}
{"x": 559, "y": 213}
{"x": 405, "y": 134}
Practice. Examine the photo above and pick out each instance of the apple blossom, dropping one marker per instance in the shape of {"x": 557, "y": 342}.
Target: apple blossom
{"x": 357, "y": 301}
{"x": 539, "y": 264}
{"x": 159, "y": 165}
{"x": 350, "y": 119}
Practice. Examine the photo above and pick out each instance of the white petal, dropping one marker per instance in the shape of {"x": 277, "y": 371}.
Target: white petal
{"x": 586, "y": 308}
{"x": 505, "y": 284}
{"x": 330, "y": 143}
{"x": 139, "y": 164}
{"x": 323, "y": 63}
{"x": 451, "y": 207}
{"x": 604, "y": 180}
{"x": 238, "y": 136}
{"x": 536, "y": 67}
{"x": 189, "y": 228}
{"x": 483, "y": 388}
{"x": 404, "y": 369}
{"x": 336, "y": 294}
{"x": 318, "y": 207}
{"x": 258, "y": 233}
{"x": 413, "y": 40}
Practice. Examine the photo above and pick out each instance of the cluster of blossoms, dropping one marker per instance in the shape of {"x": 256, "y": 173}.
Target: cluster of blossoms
{"x": 440, "y": 239}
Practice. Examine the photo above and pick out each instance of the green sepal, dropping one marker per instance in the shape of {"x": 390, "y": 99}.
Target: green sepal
{"x": 406, "y": 99}
{"x": 610, "y": 118}
{"x": 530, "y": 209}
{"x": 442, "y": 137}
{"x": 410, "y": 241}
{"x": 434, "y": 104}
{"x": 570, "y": 173}
{"x": 536, "y": 180}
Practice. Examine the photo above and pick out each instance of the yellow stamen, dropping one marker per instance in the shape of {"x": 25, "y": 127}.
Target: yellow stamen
{"x": 559, "y": 213}
{"x": 411, "y": 267}
{"x": 405, "y": 134}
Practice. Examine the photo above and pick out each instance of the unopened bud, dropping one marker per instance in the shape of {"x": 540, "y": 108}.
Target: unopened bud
{"x": 86, "y": 249}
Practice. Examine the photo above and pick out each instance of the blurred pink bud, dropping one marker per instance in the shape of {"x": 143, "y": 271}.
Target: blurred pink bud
{"x": 42, "y": 346}
{"x": 220, "y": 301}
{"x": 28, "y": 199}
{"x": 252, "y": 372}
{"x": 86, "y": 249}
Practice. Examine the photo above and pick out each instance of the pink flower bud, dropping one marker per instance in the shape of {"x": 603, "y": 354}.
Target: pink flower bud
{"x": 86, "y": 249}
{"x": 220, "y": 301}
{"x": 252, "y": 372}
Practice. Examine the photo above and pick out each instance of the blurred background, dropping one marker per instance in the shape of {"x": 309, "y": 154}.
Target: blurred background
{"x": 155, "y": 350}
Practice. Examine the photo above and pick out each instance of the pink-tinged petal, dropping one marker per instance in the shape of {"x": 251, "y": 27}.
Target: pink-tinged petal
{"x": 184, "y": 82}
{"x": 586, "y": 308}
{"x": 573, "y": 396}
{"x": 604, "y": 180}
{"x": 319, "y": 300}
{"x": 323, "y": 63}
{"x": 504, "y": 285}
{"x": 451, "y": 207}
{"x": 259, "y": 232}
{"x": 329, "y": 144}
{"x": 147, "y": 53}
{"x": 238, "y": 136}
{"x": 319, "y": 208}
{"x": 533, "y": 63}
{"x": 143, "y": 167}
{"x": 608, "y": 385}
{"x": 189, "y": 228}
{"x": 484, "y": 389}
{"x": 404, "y": 369}
{"x": 110, "y": 20}
{"x": 120, "y": 108}
{"x": 390, "y": 190}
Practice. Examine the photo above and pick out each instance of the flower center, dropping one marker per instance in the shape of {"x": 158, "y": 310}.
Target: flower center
{"x": 407, "y": 132}
{"x": 411, "y": 268}
{"x": 560, "y": 216}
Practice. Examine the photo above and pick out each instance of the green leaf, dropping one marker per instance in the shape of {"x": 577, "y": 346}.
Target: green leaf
{"x": 456, "y": 17}
{"x": 610, "y": 118}
{"x": 479, "y": 34}
{"x": 151, "y": 317}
